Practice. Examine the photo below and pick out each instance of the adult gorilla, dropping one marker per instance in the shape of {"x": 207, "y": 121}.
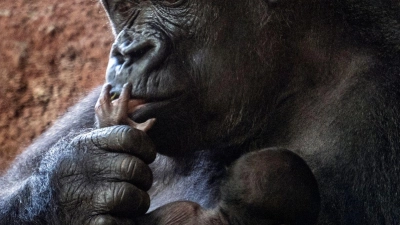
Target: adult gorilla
{"x": 231, "y": 84}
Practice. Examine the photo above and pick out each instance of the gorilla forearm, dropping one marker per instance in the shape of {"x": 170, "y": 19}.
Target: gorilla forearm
{"x": 77, "y": 182}
{"x": 30, "y": 200}
{"x": 26, "y": 194}
{"x": 21, "y": 206}
{"x": 77, "y": 118}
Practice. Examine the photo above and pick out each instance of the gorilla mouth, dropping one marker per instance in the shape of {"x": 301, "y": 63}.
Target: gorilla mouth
{"x": 143, "y": 106}
{"x": 136, "y": 103}
{"x": 142, "y": 109}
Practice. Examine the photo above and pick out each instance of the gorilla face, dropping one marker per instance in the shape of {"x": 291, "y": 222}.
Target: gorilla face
{"x": 204, "y": 71}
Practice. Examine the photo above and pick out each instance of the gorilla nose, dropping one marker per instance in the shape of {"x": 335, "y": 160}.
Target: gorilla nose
{"x": 134, "y": 55}
{"x": 144, "y": 50}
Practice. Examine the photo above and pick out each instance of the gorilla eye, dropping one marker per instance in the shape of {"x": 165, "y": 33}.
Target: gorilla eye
{"x": 125, "y": 8}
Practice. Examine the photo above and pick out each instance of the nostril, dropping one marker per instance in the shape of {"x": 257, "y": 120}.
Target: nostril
{"x": 116, "y": 54}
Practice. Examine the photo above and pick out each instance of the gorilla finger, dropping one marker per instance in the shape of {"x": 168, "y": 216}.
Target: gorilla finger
{"x": 119, "y": 139}
{"x": 121, "y": 198}
{"x": 126, "y": 168}
{"x": 128, "y": 140}
{"x": 109, "y": 220}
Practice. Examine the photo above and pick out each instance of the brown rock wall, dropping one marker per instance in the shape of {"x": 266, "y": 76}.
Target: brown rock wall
{"x": 51, "y": 53}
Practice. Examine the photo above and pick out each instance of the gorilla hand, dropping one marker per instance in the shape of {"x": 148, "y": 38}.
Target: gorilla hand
{"x": 105, "y": 179}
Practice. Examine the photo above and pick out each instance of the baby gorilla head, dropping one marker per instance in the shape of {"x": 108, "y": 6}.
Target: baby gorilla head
{"x": 281, "y": 184}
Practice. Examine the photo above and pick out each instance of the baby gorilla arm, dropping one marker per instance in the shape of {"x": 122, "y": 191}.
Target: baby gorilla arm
{"x": 264, "y": 187}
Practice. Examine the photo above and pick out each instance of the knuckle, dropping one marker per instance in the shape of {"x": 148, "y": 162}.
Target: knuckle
{"x": 104, "y": 138}
{"x": 127, "y": 136}
{"x": 108, "y": 198}
{"x": 119, "y": 137}
{"x": 120, "y": 196}
{"x": 102, "y": 220}
{"x": 123, "y": 192}
{"x": 81, "y": 141}
{"x": 131, "y": 169}
{"x": 130, "y": 138}
{"x": 129, "y": 166}
{"x": 77, "y": 141}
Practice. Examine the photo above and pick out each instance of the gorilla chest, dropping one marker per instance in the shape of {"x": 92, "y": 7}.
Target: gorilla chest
{"x": 197, "y": 187}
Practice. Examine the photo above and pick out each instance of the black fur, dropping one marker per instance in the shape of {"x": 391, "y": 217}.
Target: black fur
{"x": 242, "y": 81}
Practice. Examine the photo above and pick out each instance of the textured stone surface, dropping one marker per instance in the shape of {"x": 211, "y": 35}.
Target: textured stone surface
{"x": 52, "y": 53}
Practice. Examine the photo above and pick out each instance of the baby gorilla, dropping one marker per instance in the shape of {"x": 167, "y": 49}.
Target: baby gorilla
{"x": 277, "y": 181}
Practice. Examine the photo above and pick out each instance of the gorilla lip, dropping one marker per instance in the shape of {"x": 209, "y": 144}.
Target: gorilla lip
{"x": 134, "y": 105}
{"x": 140, "y": 109}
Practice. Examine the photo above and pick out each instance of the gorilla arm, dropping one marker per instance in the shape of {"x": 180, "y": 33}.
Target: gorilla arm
{"x": 75, "y": 175}
{"x": 25, "y": 191}
{"x": 271, "y": 186}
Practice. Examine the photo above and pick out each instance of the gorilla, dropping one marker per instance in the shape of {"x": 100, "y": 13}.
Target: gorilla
{"x": 227, "y": 112}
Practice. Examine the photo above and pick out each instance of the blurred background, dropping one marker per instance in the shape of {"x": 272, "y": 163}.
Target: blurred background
{"x": 52, "y": 53}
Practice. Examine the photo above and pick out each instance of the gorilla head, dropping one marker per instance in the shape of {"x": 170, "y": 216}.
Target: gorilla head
{"x": 248, "y": 79}
{"x": 196, "y": 66}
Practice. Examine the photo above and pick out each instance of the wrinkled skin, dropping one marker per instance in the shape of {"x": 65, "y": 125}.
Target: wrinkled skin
{"x": 202, "y": 101}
